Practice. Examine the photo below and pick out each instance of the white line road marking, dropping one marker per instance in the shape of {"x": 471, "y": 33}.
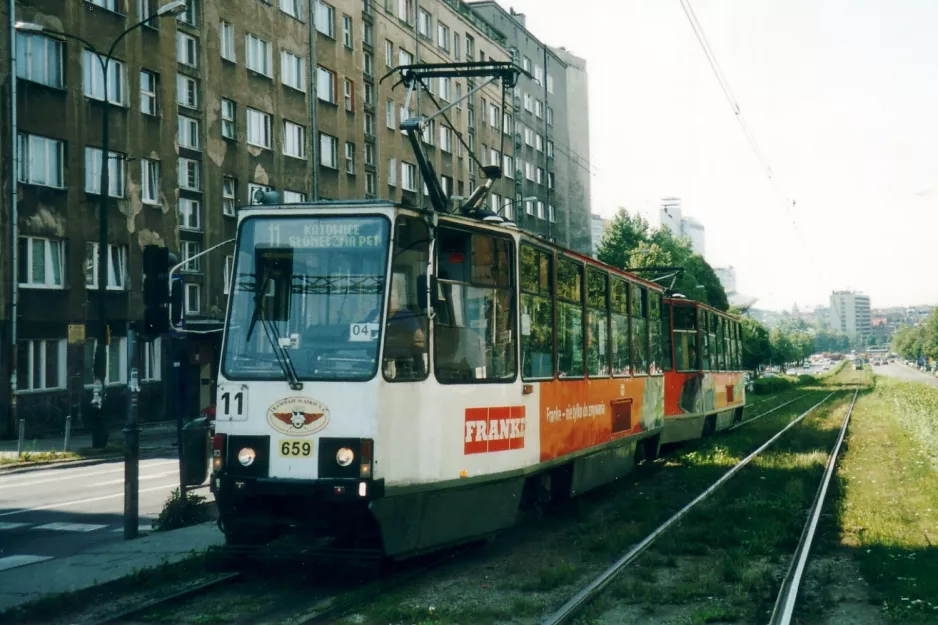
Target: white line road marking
{"x": 11, "y": 526}
{"x": 142, "y": 478}
{"x": 11, "y": 562}
{"x": 70, "y": 527}
{"x": 8, "y": 482}
{"x": 140, "y": 528}
{"x": 90, "y": 500}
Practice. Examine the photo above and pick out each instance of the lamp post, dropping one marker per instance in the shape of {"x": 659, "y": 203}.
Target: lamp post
{"x": 172, "y": 8}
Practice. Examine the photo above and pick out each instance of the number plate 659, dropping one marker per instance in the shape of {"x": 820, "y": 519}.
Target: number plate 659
{"x": 295, "y": 449}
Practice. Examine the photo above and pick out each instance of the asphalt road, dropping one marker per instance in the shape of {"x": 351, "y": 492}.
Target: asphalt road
{"x": 61, "y": 512}
{"x": 895, "y": 370}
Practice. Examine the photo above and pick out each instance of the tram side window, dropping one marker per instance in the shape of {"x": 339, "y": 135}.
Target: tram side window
{"x": 666, "y": 363}
{"x": 685, "y": 338}
{"x": 475, "y": 313}
{"x": 721, "y": 341}
{"x": 704, "y": 339}
{"x": 405, "y": 338}
{"x": 739, "y": 346}
{"x": 639, "y": 330}
{"x": 569, "y": 318}
{"x": 654, "y": 333}
{"x": 537, "y": 315}
{"x": 734, "y": 353}
{"x": 712, "y": 338}
{"x": 619, "y": 305}
{"x": 597, "y": 354}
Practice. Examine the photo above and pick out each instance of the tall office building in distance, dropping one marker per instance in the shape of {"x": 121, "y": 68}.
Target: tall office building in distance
{"x": 672, "y": 218}
{"x": 850, "y": 313}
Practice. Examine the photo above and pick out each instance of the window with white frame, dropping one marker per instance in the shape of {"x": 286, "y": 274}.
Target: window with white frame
{"x": 93, "y": 79}
{"x": 293, "y": 70}
{"x": 370, "y": 154}
{"x": 188, "y": 132}
{"x": 41, "y": 160}
{"x": 456, "y": 46}
{"x": 483, "y": 111}
{"x": 388, "y": 53}
{"x": 229, "y": 196}
{"x": 151, "y": 359}
{"x": 404, "y": 57}
{"x": 529, "y": 207}
{"x": 538, "y": 74}
{"x": 294, "y": 140}
{"x": 442, "y": 36}
{"x": 550, "y": 88}
{"x": 41, "y": 365}
{"x": 115, "y": 368}
{"x": 226, "y": 41}
{"x": 39, "y": 59}
{"x": 368, "y": 34}
{"x": 370, "y": 184}
{"x": 550, "y": 212}
{"x": 369, "y": 94}
{"x": 446, "y": 139}
{"x": 392, "y": 172}
{"x": 405, "y": 11}
{"x": 228, "y": 125}
{"x": 325, "y": 19}
{"x": 349, "y": 158}
{"x": 259, "y": 128}
{"x": 116, "y": 267}
{"x": 190, "y": 214}
{"x": 189, "y": 174}
{"x": 115, "y": 163}
{"x": 408, "y": 176}
{"x": 187, "y": 49}
{"x": 229, "y": 268}
{"x": 550, "y": 148}
{"x": 507, "y": 123}
{"x": 428, "y": 132}
{"x": 470, "y": 47}
{"x": 528, "y": 102}
{"x": 458, "y": 90}
{"x": 293, "y": 197}
{"x": 253, "y": 188}
{"x": 41, "y": 263}
{"x": 550, "y": 180}
{"x": 496, "y": 201}
{"x": 191, "y": 15}
{"x": 369, "y": 66}
{"x": 348, "y": 87}
{"x": 347, "y": 31}
{"x": 187, "y": 91}
{"x": 389, "y": 114}
{"x": 148, "y": 98}
{"x": 291, "y": 7}
{"x": 539, "y": 142}
{"x": 540, "y": 175}
{"x": 495, "y": 116}
{"x": 328, "y": 151}
{"x": 526, "y": 64}
{"x": 445, "y": 92}
{"x": 190, "y": 250}
{"x": 528, "y": 137}
{"x": 530, "y": 171}
{"x": 540, "y": 209}
{"x": 150, "y": 181}
{"x": 369, "y": 124}
{"x": 424, "y": 23}
{"x": 446, "y": 184}
{"x": 539, "y": 109}
{"x": 507, "y": 207}
{"x": 111, "y": 5}
{"x": 258, "y": 55}
{"x": 508, "y": 166}
{"x": 550, "y": 116}
{"x": 494, "y": 157}
{"x": 193, "y": 299}
{"x": 325, "y": 84}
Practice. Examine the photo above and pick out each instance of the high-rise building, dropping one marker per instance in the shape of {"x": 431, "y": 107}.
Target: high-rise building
{"x": 672, "y": 218}
{"x": 230, "y": 98}
{"x": 727, "y": 277}
{"x": 850, "y": 313}
{"x": 598, "y": 227}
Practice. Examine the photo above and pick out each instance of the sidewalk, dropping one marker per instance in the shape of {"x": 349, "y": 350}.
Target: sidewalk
{"x": 104, "y": 564}
{"x": 152, "y": 436}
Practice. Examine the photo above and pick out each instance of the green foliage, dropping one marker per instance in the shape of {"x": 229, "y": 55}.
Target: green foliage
{"x": 765, "y": 386}
{"x": 914, "y": 342}
{"x": 178, "y": 512}
{"x": 757, "y": 348}
{"x": 622, "y": 237}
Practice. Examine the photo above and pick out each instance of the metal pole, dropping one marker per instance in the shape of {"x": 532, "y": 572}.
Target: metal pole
{"x": 22, "y": 435}
{"x": 68, "y": 432}
{"x": 313, "y": 99}
{"x": 14, "y": 217}
{"x": 177, "y": 394}
{"x": 131, "y": 444}
{"x": 98, "y": 432}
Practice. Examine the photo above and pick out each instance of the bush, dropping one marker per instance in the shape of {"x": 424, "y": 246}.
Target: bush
{"x": 807, "y": 379}
{"x": 764, "y": 386}
{"x": 178, "y": 512}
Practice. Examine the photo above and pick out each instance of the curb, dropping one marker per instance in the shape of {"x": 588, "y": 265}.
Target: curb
{"x": 67, "y": 464}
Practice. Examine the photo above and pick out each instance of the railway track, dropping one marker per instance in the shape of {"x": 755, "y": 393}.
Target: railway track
{"x": 596, "y": 586}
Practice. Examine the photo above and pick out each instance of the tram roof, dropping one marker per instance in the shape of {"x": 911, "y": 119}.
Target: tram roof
{"x": 692, "y": 302}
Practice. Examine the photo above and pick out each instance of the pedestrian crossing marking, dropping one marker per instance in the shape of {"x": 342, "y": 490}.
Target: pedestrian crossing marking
{"x": 11, "y": 526}
{"x": 70, "y": 527}
{"x": 11, "y": 562}
{"x": 142, "y": 528}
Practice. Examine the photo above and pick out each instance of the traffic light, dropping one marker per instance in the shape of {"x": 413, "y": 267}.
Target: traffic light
{"x": 176, "y": 295}
{"x": 155, "y": 290}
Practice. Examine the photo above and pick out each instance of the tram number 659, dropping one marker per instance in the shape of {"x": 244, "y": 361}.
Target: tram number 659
{"x": 296, "y": 449}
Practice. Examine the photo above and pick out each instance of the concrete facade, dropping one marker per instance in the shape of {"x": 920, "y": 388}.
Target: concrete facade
{"x": 598, "y": 227}
{"x": 850, "y": 313}
{"x": 672, "y": 217}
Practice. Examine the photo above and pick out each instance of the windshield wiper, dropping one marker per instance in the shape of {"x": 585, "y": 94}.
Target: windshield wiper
{"x": 273, "y": 336}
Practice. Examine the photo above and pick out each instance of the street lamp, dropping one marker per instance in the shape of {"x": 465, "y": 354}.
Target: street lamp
{"x": 174, "y": 7}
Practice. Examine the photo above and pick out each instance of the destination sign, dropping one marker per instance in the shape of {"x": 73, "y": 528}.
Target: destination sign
{"x": 326, "y": 235}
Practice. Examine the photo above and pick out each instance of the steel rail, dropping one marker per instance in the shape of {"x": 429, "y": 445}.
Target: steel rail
{"x": 788, "y": 593}
{"x": 747, "y": 421}
{"x": 591, "y": 590}
{"x": 191, "y": 591}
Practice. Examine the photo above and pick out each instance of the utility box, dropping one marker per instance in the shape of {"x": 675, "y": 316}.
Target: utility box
{"x": 196, "y": 451}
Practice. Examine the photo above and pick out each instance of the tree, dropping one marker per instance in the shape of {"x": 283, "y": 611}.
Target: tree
{"x": 757, "y": 348}
{"x": 783, "y": 350}
{"x": 623, "y": 236}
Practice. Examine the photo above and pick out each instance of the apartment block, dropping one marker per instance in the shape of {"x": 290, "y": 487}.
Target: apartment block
{"x": 850, "y": 313}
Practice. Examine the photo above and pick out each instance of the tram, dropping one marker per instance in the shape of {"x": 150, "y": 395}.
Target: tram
{"x": 402, "y": 379}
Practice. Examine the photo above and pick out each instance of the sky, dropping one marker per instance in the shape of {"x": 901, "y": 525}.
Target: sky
{"x": 841, "y": 97}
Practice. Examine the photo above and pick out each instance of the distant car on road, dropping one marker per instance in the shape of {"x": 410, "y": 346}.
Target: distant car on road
{"x": 791, "y": 372}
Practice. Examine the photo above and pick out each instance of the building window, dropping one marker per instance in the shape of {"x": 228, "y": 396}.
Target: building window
{"x": 148, "y": 92}
{"x": 325, "y": 85}
{"x": 392, "y": 172}
{"x": 190, "y": 252}
{"x": 115, "y": 363}
{"x": 111, "y": 5}
{"x": 550, "y": 148}
{"x": 507, "y": 123}
{"x": 291, "y": 7}
{"x": 370, "y": 186}
{"x": 191, "y": 15}
{"x": 93, "y": 79}
{"x": 228, "y": 126}
{"x": 470, "y": 47}
{"x": 258, "y": 56}
{"x": 349, "y": 89}
{"x": 540, "y": 175}
{"x": 187, "y": 49}
{"x": 39, "y": 59}
{"x": 526, "y": 64}
{"x": 405, "y": 11}
{"x": 229, "y": 267}
{"x": 294, "y": 140}
{"x": 116, "y": 267}
{"x": 253, "y": 189}
{"x": 369, "y": 94}
{"x": 188, "y": 132}
{"x": 442, "y": 36}
{"x": 528, "y": 102}
{"x": 530, "y": 171}
{"x": 193, "y": 298}
{"x": 229, "y": 196}
{"x": 41, "y": 161}
{"x": 151, "y": 359}
{"x": 189, "y": 214}
{"x": 369, "y": 154}
{"x": 550, "y": 180}
{"x": 539, "y": 142}
{"x": 369, "y": 68}
{"x": 424, "y": 24}
{"x": 189, "y": 174}
{"x": 293, "y": 197}
{"x": 41, "y": 263}
{"x": 496, "y": 201}
{"x": 325, "y": 19}
{"x": 538, "y": 74}
{"x": 41, "y": 365}
{"x": 368, "y": 34}
{"x": 347, "y": 31}
{"x": 446, "y": 139}
{"x": 428, "y": 132}
{"x": 293, "y": 71}
{"x": 529, "y": 207}
{"x": 226, "y": 41}
{"x": 456, "y": 44}
{"x": 508, "y": 166}
{"x": 369, "y": 124}
{"x": 408, "y": 176}
{"x": 483, "y": 111}
{"x": 404, "y": 57}
{"x": 115, "y": 163}
{"x": 550, "y": 212}
{"x": 550, "y": 116}
{"x": 328, "y": 151}
{"x": 539, "y": 109}
{"x": 445, "y": 91}
{"x": 187, "y": 91}
{"x": 259, "y": 129}
{"x": 389, "y": 114}
{"x": 495, "y": 116}
{"x": 388, "y": 53}
{"x": 349, "y": 158}
{"x": 150, "y": 181}
{"x": 540, "y": 209}
{"x": 550, "y": 84}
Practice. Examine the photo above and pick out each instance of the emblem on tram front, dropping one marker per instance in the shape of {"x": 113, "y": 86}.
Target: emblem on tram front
{"x": 298, "y": 416}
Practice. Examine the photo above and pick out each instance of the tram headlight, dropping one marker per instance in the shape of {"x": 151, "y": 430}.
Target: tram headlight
{"x": 246, "y": 456}
{"x": 344, "y": 456}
